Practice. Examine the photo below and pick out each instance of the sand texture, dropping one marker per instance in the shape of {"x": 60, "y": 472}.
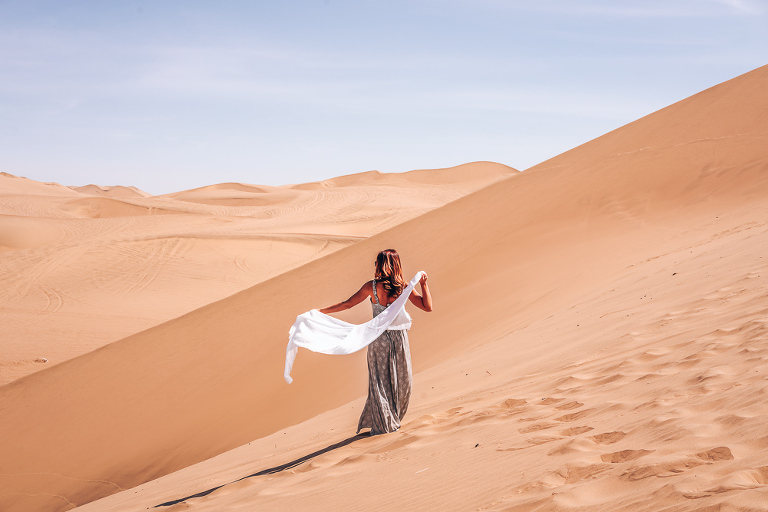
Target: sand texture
{"x": 599, "y": 343}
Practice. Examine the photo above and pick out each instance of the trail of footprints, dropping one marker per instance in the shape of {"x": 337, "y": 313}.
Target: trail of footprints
{"x": 561, "y": 422}
{"x": 550, "y": 416}
{"x": 542, "y": 421}
{"x": 536, "y": 422}
{"x": 680, "y": 377}
{"x": 688, "y": 402}
{"x": 662, "y": 432}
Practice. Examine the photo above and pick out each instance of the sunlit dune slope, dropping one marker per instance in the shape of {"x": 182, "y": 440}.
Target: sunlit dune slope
{"x": 500, "y": 259}
{"x": 482, "y": 172}
{"x": 82, "y": 269}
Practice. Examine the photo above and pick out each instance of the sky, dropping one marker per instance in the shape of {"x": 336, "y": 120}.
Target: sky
{"x": 169, "y": 95}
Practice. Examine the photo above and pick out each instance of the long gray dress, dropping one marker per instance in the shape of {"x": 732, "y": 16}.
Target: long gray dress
{"x": 389, "y": 379}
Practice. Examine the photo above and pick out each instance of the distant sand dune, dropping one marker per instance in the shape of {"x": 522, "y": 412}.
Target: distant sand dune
{"x": 484, "y": 172}
{"x": 118, "y": 191}
{"x": 105, "y": 207}
{"x": 597, "y": 344}
{"x": 237, "y": 196}
{"x": 17, "y": 185}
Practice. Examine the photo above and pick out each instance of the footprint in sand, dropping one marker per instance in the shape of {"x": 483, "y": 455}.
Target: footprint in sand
{"x": 716, "y": 454}
{"x": 476, "y": 418}
{"x": 736, "y": 481}
{"x": 568, "y": 406}
{"x": 539, "y": 440}
{"x": 437, "y": 422}
{"x": 550, "y": 400}
{"x": 574, "y": 445}
{"x": 574, "y": 415}
{"x": 672, "y": 468}
{"x": 609, "y": 437}
{"x": 569, "y": 474}
{"x": 660, "y": 470}
{"x": 577, "y": 472}
{"x": 536, "y": 427}
{"x": 512, "y": 403}
{"x": 510, "y": 407}
{"x": 575, "y": 431}
{"x": 624, "y": 456}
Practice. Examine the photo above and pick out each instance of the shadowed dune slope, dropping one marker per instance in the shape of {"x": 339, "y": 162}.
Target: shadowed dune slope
{"x": 498, "y": 260}
{"x": 83, "y": 269}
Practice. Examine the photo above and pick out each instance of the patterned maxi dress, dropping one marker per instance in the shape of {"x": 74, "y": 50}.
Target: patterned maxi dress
{"x": 389, "y": 379}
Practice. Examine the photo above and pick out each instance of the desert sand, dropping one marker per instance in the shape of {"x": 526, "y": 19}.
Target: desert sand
{"x": 86, "y": 266}
{"x": 599, "y": 342}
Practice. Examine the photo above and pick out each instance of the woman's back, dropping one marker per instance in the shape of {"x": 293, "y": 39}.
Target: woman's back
{"x": 379, "y": 305}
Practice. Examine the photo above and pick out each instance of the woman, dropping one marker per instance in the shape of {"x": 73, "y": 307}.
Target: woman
{"x": 389, "y": 358}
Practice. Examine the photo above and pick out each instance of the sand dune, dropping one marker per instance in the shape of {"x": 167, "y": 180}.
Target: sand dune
{"x": 116, "y": 191}
{"x": 597, "y": 344}
{"x": 17, "y": 185}
{"x": 482, "y": 172}
{"x": 84, "y": 270}
{"x": 237, "y": 194}
{"x": 106, "y": 207}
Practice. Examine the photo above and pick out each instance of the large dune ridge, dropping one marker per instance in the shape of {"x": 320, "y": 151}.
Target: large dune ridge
{"x": 598, "y": 343}
{"x": 86, "y": 267}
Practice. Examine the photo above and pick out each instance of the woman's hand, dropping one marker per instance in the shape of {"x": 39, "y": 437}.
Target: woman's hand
{"x": 424, "y": 300}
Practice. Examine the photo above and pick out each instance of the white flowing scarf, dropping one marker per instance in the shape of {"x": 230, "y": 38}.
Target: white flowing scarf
{"x": 322, "y": 333}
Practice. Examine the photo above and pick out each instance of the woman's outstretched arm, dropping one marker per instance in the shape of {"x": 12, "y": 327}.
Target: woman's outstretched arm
{"x": 354, "y": 300}
{"x": 423, "y": 301}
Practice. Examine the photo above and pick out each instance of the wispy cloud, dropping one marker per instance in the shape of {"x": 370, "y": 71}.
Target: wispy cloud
{"x": 744, "y": 6}
{"x": 627, "y": 8}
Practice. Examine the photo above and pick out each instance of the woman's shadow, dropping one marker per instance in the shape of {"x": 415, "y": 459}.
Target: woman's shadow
{"x": 273, "y": 470}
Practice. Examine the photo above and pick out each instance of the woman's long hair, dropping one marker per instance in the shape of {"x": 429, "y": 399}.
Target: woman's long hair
{"x": 389, "y": 272}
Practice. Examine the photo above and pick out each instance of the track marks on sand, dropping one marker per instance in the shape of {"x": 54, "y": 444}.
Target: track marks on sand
{"x": 672, "y": 411}
{"x": 677, "y": 403}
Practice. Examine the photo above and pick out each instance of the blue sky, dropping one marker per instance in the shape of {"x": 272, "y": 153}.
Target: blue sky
{"x": 171, "y": 95}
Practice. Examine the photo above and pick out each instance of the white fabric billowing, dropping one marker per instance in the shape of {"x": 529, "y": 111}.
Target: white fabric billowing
{"x": 323, "y": 333}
